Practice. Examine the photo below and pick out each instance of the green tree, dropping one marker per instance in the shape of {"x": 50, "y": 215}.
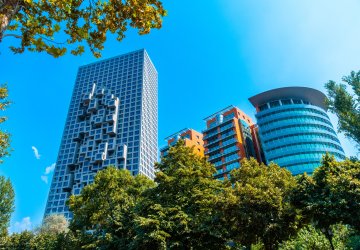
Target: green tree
{"x": 330, "y": 196}
{"x": 346, "y": 105}
{"x": 103, "y": 212}
{"x": 44, "y": 241}
{"x": 4, "y": 136}
{"x": 262, "y": 209}
{"x": 6, "y": 204}
{"x": 52, "y": 26}
{"x": 185, "y": 209}
{"x": 310, "y": 238}
{"x": 6, "y": 190}
{"x": 354, "y": 242}
{"x": 40, "y": 240}
{"x": 19, "y": 241}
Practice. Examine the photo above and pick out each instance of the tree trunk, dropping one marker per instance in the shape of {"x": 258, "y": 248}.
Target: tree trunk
{"x": 329, "y": 236}
{"x": 8, "y": 10}
{"x": 4, "y": 22}
{"x": 269, "y": 245}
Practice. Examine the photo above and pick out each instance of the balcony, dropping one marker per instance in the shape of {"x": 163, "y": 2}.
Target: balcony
{"x": 100, "y": 92}
{"x": 209, "y": 135}
{"x": 226, "y": 152}
{"x": 111, "y": 130}
{"x": 165, "y": 148}
{"x": 223, "y": 137}
{"x": 110, "y": 118}
{"x": 93, "y": 105}
{"x": 213, "y": 150}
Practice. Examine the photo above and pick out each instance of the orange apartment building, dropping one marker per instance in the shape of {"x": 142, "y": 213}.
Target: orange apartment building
{"x": 229, "y": 137}
{"x": 192, "y": 138}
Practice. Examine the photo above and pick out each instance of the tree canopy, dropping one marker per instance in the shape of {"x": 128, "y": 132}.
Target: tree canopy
{"x": 54, "y": 223}
{"x": 6, "y": 204}
{"x": 330, "y": 196}
{"x": 262, "y": 211}
{"x": 4, "y": 136}
{"x": 52, "y": 26}
{"x": 185, "y": 209}
{"x": 346, "y": 105}
{"x": 310, "y": 238}
{"x": 259, "y": 207}
{"x": 103, "y": 212}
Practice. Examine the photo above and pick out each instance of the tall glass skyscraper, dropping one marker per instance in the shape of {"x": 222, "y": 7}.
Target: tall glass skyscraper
{"x": 112, "y": 120}
{"x": 294, "y": 129}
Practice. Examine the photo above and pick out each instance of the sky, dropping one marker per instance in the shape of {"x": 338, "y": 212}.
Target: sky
{"x": 209, "y": 54}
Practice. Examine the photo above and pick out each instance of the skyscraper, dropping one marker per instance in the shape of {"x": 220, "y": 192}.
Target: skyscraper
{"x": 112, "y": 120}
{"x": 294, "y": 129}
{"x": 230, "y": 136}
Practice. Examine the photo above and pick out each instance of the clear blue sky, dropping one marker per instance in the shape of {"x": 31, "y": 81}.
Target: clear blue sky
{"x": 209, "y": 54}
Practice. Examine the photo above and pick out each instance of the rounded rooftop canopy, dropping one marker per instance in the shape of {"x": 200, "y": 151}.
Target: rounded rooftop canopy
{"x": 311, "y": 95}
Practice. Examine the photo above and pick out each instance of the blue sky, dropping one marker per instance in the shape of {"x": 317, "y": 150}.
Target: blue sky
{"x": 209, "y": 54}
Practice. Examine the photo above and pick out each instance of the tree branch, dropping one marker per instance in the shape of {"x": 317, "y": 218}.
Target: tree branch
{"x": 13, "y": 35}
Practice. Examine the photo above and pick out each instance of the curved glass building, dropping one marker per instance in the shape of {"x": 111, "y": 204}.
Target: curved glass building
{"x": 294, "y": 128}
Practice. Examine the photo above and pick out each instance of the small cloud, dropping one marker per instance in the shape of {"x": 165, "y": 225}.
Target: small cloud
{"x": 24, "y": 224}
{"x": 44, "y": 178}
{"x": 36, "y": 152}
{"x": 48, "y": 170}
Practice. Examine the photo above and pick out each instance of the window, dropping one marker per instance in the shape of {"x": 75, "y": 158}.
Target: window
{"x": 263, "y": 107}
{"x": 286, "y": 102}
{"x": 274, "y": 104}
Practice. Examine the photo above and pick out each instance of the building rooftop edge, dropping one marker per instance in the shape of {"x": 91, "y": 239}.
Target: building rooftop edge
{"x": 179, "y": 132}
{"x": 126, "y": 53}
{"x": 316, "y": 97}
{"x": 219, "y": 112}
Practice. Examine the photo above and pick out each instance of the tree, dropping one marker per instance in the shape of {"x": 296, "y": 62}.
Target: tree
{"x": 4, "y": 136}
{"x": 18, "y": 241}
{"x": 330, "y": 196}
{"x": 184, "y": 210}
{"x": 53, "y": 234}
{"x": 262, "y": 209}
{"x": 6, "y": 204}
{"x": 38, "y": 24}
{"x": 54, "y": 224}
{"x": 310, "y": 238}
{"x": 346, "y": 105}
{"x": 6, "y": 190}
{"x": 103, "y": 212}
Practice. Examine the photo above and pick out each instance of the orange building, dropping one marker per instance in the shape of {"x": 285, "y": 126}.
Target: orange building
{"x": 191, "y": 138}
{"x": 230, "y": 136}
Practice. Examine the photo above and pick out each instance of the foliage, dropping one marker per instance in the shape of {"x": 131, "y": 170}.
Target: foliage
{"x": 184, "y": 210}
{"x": 6, "y": 204}
{"x": 46, "y": 237}
{"x": 346, "y": 105}
{"x": 331, "y": 195}
{"x": 103, "y": 212}
{"x": 38, "y": 23}
{"x": 18, "y": 241}
{"x": 39, "y": 241}
{"x": 54, "y": 224}
{"x": 262, "y": 209}
{"x": 4, "y": 136}
{"x": 311, "y": 238}
{"x": 354, "y": 242}
{"x": 6, "y": 191}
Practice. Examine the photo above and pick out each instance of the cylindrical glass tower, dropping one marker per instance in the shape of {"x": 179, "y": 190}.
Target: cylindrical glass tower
{"x": 294, "y": 129}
